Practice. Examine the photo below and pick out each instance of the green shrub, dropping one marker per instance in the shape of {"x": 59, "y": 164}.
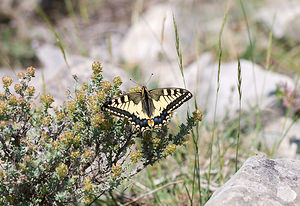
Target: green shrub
{"x": 72, "y": 153}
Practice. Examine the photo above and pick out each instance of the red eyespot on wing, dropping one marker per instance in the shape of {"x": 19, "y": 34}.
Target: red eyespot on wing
{"x": 151, "y": 123}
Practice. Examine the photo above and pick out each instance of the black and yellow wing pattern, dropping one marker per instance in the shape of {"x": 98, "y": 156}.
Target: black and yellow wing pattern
{"x": 148, "y": 108}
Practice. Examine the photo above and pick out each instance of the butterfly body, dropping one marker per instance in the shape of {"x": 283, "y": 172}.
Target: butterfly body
{"x": 148, "y": 108}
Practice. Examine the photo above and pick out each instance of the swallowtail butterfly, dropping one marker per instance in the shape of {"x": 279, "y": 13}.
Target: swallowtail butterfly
{"x": 148, "y": 109}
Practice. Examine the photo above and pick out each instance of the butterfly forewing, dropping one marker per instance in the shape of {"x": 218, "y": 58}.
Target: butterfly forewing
{"x": 168, "y": 99}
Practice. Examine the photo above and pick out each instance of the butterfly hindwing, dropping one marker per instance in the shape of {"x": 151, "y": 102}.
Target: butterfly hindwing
{"x": 147, "y": 109}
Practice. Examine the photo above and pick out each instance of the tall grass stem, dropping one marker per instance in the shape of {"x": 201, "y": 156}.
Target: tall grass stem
{"x": 43, "y": 15}
{"x": 258, "y": 117}
{"x": 216, "y": 101}
{"x": 239, "y": 86}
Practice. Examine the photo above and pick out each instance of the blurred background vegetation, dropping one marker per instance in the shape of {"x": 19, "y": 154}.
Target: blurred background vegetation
{"x": 79, "y": 23}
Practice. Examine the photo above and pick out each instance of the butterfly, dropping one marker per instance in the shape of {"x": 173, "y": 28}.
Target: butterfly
{"x": 147, "y": 109}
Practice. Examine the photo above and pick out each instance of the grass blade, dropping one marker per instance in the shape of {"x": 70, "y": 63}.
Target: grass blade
{"x": 239, "y": 120}
{"x": 216, "y": 101}
{"x": 42, "y": 14}
{"x": 78, "y": 41}
{"x": 258, "y": 117}
{"x": 179, "y": 54}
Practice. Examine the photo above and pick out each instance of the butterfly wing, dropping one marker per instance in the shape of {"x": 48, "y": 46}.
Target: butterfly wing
{"x": 125, "y": 105}
{"x": 166, "y": 100}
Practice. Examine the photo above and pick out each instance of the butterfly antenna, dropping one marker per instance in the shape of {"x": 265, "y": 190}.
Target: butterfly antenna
{"x": 149, "y": 78}
{"x": 135, "y": 82}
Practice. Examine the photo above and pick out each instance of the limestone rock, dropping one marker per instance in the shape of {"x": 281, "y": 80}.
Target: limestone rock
{"x": 261, "y": 182}
{"x": 286, "y": 13}
{"x": 151, "y": 39}
{"x": 58, "y": 75}
{"x": 257, "y": 84}
{"x": 142, "y": 43}
{"x": 284, "y": 131}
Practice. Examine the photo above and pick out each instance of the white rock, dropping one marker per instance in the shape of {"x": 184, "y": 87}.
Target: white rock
{"x": 50, "y": 56}
{"x": 58, "y": 76}
{"x": 145, "y": 46}
{"x": 257, "y": 84}
{"x": 281, "y": 130}
{"x": 261, "y": 181}
{"x": 142, "y": 44}
{"x": 286, "y": 13}
{"x": 41, "y": 33}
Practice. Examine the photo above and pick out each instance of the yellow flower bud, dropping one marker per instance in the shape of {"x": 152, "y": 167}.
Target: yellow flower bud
{"x": 156, "y": 141}
{"x": 30, "y": 71}
{"x": 88, "y": 187}
{"x": 106, "y": 86}
{"x": 169, "y": 149}
{"x": 62, "y": 170}
{"x": 30, "y": 91}
{"x": 116, "y": 170}
{"x": 98, "y": 119}
{"x": 17, "y": 87}
{"x": 7, "y": 81}
{"x": 46, "y": 99}
{"x": 197, "y": 115}
{"x": 97, "y": 67}
{"x": 117, "y": 81}
{"x": 135, "y": 156}
{"x": 21, "y": 75}
{"x": 12, "y": 100}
